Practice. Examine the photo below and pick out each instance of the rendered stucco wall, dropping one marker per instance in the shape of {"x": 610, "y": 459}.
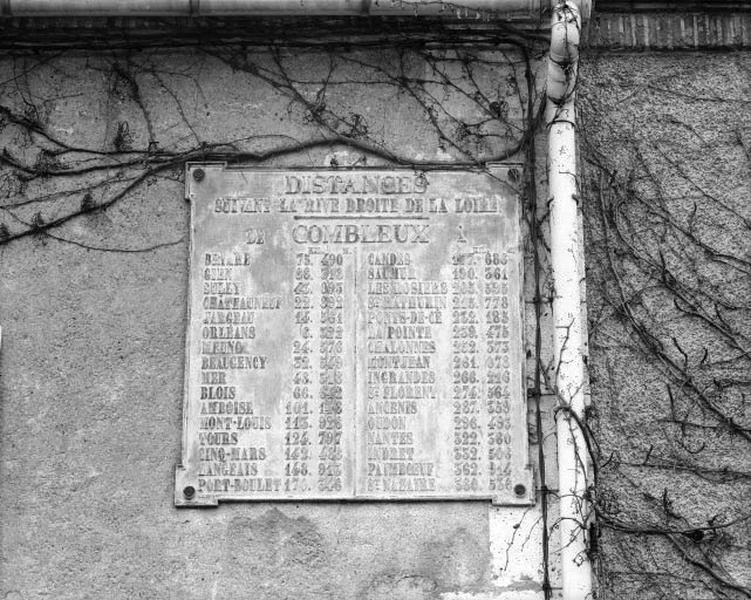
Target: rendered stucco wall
{"x": 93, "y": 317}
{"x": 665, "y": 151}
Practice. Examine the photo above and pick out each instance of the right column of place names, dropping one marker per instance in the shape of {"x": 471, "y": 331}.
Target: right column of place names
{"x": 404, "y": 313}
{"x": 438, "y": 390}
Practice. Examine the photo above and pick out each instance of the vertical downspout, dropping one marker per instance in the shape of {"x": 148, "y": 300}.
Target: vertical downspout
{"x": 568, "y": 273}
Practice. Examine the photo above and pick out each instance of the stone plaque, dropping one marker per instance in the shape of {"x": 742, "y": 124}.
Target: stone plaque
{"x": 354, "y": 335}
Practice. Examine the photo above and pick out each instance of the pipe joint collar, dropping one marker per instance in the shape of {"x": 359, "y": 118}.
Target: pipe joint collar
{"x": 565, "y": 35}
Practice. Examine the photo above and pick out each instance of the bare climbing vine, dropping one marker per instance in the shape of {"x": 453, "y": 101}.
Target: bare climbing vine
{"x": 50, "y": 181}
{"x": 669, "y": 280}
{"x": 669, "y": 254}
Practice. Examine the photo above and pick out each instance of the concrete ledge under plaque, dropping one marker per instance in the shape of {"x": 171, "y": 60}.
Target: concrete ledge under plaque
{"x": 354, "y": 335}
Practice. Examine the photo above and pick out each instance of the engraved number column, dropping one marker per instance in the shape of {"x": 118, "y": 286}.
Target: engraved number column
{"x": 330, "y": 465}
{"x": 498, "y": 374}
{"x": 465, "y": 374}
{"x": 297, "y": 416}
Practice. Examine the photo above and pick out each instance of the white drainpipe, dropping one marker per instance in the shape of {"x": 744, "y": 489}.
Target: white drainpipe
{"x": 565, "y": 249}
{"x": 568, "y": 273}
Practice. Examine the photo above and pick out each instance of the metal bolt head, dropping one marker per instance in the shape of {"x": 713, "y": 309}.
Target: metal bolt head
{"x": 520, "y": 489}
{"x": 198, "y": 174}
{"x": 189, "y": 491}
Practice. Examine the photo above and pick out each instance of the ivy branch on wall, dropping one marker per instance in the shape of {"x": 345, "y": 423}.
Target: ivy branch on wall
{"x": 669, "y": 279}
{"x": 668, "y": 290}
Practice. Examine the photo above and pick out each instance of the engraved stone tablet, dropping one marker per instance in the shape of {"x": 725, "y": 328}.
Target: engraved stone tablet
{"x": 354, "y": 334}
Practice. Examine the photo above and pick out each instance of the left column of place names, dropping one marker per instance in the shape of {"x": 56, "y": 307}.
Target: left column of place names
{"x": 233, "y": 421}
{"x": 274, "y": 393}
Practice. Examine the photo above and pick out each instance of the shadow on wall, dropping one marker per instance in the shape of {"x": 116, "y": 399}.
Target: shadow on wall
{"x": 278, "y": 556}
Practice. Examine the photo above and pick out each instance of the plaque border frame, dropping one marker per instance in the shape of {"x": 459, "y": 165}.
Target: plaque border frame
{"x": 185, "y": 489}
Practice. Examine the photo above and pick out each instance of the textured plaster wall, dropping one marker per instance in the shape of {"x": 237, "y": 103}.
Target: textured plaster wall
{"x": 91, "y": 366}
{"x": 665, "y": 149}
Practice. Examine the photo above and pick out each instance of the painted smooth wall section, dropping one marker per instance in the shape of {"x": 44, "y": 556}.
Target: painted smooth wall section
{"x": 94, "y": 315}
